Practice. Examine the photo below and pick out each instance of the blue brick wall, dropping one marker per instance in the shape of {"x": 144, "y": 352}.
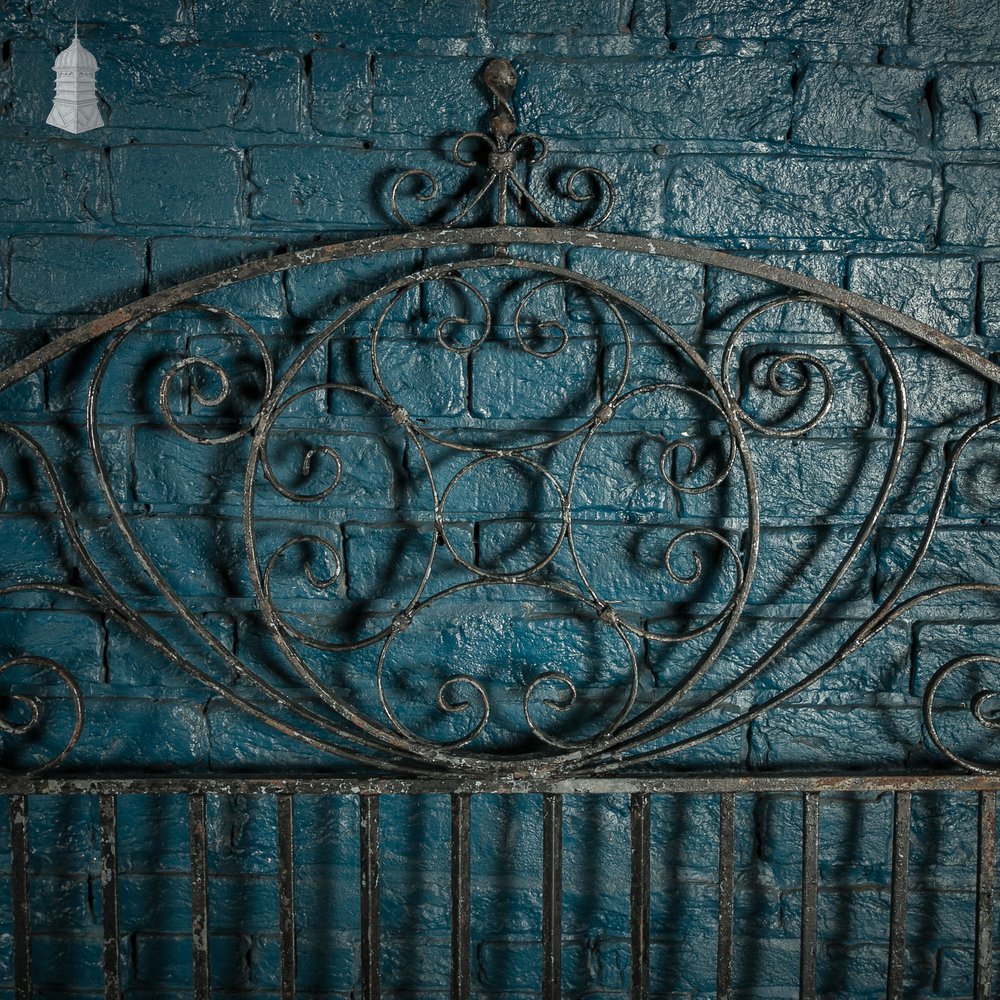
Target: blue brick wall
{"x": 851, "y": 141}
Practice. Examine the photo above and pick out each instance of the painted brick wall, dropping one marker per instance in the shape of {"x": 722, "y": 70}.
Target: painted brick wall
{"x": 853, "y": 141}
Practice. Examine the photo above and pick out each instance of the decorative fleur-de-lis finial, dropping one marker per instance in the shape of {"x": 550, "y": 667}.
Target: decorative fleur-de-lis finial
{"x": 501, "y": 78}
{"x": 506, "y": 150}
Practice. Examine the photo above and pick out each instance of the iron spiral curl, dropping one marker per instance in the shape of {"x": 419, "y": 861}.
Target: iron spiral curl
{"x": 983, "y": 709}
{"x": 32, "y": 727}
{"x": 195, "y": 365}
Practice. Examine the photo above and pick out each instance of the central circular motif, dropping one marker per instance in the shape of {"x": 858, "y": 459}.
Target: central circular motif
{"x": 521, "y": 501}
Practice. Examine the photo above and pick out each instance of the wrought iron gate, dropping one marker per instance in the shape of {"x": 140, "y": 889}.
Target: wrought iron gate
{"x": 592, "y": 726}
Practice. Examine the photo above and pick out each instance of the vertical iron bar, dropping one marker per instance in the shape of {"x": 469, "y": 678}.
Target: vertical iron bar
{"x": 639, "y": 815}
{"x": 810, "y": 894}
{"x": 199, "y": 896}
{"x": 286, "y": 893}
{"x": 724, "y": 960}
{"x": 897, "y": 905}
{"x": 371, "y": 980}
{"x": 551, "y": 897}
{"x": 984, "y": 894}
{"x": 109, "y": 895}
{"x": 19, "y": 894}
{"x": 461, "y": 888}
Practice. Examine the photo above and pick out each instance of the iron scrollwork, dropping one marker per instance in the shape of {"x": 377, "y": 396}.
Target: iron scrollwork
{"x": 691, "y": 514}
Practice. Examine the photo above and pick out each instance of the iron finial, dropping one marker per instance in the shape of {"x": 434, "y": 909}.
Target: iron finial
{"x": 501, "y": 78}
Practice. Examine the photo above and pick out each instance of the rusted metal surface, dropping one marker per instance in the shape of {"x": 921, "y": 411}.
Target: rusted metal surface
{"x": 506, "y": 150}
{"x": 640, "y": 902}
{"x": 727, "y": 885}
{"x": 552, "y": 876}
{"x": 286, "y": 894}
{"x": 109, "y": 896}
{"x": 714, "y": 783}
{"x": 985, "y": 884}
{"x": 200, "y": 945}
{"x": 371, "y": 970}
{"x": 899, "y": 891}
{"x": 461, "y": 896}
{"x": 18, "y": 812}
{"x": 810, "y": 895}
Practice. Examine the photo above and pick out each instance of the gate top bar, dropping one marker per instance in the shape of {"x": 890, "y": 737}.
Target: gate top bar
{"x": 500, "y": 784}
{"x": 151, "y": 305}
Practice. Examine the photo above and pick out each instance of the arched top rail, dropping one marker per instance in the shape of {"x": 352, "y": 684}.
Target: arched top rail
{"x": 499, "y": 236}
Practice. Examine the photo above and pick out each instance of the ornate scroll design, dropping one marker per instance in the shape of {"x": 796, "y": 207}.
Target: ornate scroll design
{"x": 506, "y": 151}
{"x": 560, "y": 573}
{"x": 502, "y": 536}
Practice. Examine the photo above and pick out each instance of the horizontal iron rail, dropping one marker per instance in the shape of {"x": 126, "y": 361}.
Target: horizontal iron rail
{"x": 490, "y": 236}
{"x": 696, "y": 784}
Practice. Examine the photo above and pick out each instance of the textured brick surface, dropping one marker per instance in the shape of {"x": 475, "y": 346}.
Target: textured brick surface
{"x": 107, "y": 270}
{"x": 631, "y": 101}
{"x": 849, "y": 141}
{"x": 871, "y": 107}
{"x": 62, "y": 177}
{"x": 969, "y": 189}
{"x": 968, "y": 98}
{"x": 804, "y": 198}
{"x": 242, "y": 21}
{"x": 819, "y": 20}
{"x": 939, "y": 291}
{"x": 957, "y": 25}
{"x": 990, "y": 299}
{"x": 306, "y": 183}
{"x": 194, "y": 90}
{"x": 175, "y": 185}
{"x": 341, "y": 100}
